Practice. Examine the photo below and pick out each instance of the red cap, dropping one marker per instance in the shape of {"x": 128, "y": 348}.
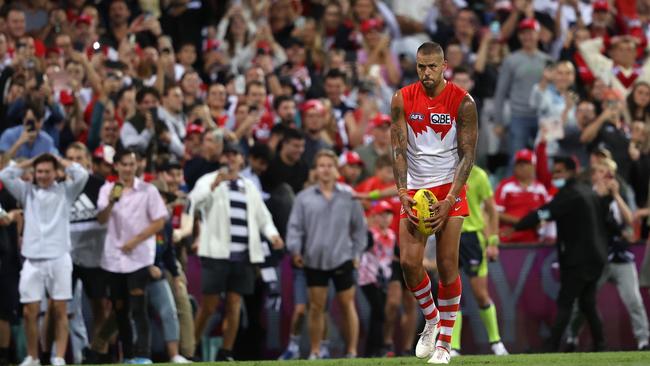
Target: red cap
{"x": 105, "y": 153}
{"x": 56, "y": 50}
{"x": 313, "y": 104}
{"x": 266, "y": 46}
{"x": 381, "y": 207}
{"x": 211, "y": 45}
{"x": 600, "y": 5}
{"x": 529, "y": 24}
{"x": 66, "y": 98}
{"x": 194, "y": 128}
{"x": 381, "y": 120}
{"x": 83, "y": 19}
{"x": 350, "y": 158}
{"x": 370, "y": 24}
{"x": 525, "y": 155}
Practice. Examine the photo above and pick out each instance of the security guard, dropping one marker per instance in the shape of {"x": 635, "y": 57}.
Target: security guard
{"x": 580, "y": 215}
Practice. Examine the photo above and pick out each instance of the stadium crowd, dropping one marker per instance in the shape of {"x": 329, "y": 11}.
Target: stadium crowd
{"x": 143, "y": 140}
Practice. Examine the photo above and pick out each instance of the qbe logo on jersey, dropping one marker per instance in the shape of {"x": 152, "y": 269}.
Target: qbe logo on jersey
{"x": 440, "y": 119}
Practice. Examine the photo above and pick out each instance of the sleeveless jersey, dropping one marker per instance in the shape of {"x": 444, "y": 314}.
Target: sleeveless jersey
{"x": 431, "y": 147}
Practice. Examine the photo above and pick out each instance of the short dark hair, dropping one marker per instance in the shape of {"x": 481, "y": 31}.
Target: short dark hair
{"x": 335, "y": 74}
{"x": 169, "y": 87}
{"x": 430, "y": 48}
{"x": 277, "y": 102}
{"x": 35, "y": 105}
{"x": 46, "y": 158}
{"x": 292, "y": 134}
{"x": 568, "y": 161}
{"x": 139, "y": 96}
{"x": 253, "y": 83}
{"x": 121, "y": 153}
{"x": 260, "y": 151}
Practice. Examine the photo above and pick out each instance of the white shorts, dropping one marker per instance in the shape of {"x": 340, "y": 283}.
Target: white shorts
{"x": 51, "y": 275}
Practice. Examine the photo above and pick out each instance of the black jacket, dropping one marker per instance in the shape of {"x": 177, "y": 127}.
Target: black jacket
{"x": 580, "y": 216}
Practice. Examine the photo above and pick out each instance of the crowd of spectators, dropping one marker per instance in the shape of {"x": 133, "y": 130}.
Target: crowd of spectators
{"x": 137, "y": 134}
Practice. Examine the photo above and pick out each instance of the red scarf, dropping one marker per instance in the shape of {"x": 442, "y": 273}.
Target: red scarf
{"x": 627, "y": 81}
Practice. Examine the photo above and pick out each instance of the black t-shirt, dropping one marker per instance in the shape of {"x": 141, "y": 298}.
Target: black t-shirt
{"x": 9, "y": 254}
{"x": 85, "y": 206}
{"x": 278, "y": 172}
{"x": 196, "y": 168}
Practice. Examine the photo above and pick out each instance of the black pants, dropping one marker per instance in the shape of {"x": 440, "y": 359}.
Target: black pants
{"x": 131, "y": 310}
{"x": 375, "y": 334}
{"x": 581, "y": 284}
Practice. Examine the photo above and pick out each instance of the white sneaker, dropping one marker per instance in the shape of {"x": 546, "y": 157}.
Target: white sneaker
{"x": 454, "y": 353}
{"x": 427, "y": 342}
{"x": 440, "y": 356}
{"x": 314, "y": 356}
{"x": 499, "y": 349}
{"x": 180, "y": 359}
{"x": 642, "y": 345}
{"x": 57, "y": 361}
{"x": 30, "y": 361}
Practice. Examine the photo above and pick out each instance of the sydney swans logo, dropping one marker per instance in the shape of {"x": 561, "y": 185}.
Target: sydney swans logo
{"x": 440, "y": 123}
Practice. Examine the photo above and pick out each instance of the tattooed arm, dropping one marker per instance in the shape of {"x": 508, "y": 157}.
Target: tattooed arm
{"x": 466, "y": 135}
{"x": 398, "y": 132}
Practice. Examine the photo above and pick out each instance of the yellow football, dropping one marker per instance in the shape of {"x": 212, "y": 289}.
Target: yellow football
{"x": 423, "y": 200}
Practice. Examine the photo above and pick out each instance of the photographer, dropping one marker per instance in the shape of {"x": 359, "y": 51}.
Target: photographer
{"x": 27, "y": 140}
{"x": 135, "y": 212}
{"x": 46, "y": 245}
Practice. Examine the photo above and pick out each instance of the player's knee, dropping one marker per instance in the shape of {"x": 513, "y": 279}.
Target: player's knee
{"x": 300, "y": 309}
{"x": 30, "y": 312}
{"x": 447, "y": 268}
{"x": 410, "y": 267}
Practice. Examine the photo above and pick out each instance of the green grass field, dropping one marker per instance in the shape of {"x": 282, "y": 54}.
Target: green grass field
{"x": 557, "y": 359}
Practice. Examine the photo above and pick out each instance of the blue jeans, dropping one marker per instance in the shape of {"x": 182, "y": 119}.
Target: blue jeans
{"x": 521, "y": 133}
{"x": 162, "y": 302}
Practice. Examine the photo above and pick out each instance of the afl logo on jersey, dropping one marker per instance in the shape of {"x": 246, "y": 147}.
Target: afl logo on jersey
{"x": 416, "y": 117}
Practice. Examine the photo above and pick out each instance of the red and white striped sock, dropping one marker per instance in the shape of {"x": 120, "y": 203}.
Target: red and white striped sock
{"x": 422, "y": 293}
{"x": 449, "y": 303}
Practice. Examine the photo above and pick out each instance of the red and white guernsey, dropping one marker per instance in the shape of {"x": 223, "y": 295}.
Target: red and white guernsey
{"x": 432, "y": 149}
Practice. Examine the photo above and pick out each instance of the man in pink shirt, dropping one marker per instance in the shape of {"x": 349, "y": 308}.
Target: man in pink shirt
{"x": 135, "y": 212}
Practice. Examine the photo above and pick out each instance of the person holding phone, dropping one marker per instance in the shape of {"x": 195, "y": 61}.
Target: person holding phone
{"x": 27, "y": 140}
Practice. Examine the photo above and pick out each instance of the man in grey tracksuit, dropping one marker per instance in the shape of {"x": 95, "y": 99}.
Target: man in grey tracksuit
{"x": 518, "y": 74}
{"x": 326, "y": 234}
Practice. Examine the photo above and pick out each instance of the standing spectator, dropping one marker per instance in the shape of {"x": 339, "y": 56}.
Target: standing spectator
{"x": 554, "y": 102}
{"x": 517, "y": 195}
{"x": 609, "y": 130}
{"x": 171, "y": 114}
{"x": 87, "y": 237}
{"x": 348, "y": 134}
{"x": 27, "y": 140}
{"x": 374, "y": 273}
{"x": 287, "y": 165}
{"x": 233, "y": 217}
{"x": 313, "y": 123}
{"x": 326, "y": 235}
{"x": 380, "y": 144}
{"x": 208, "y": 160}
{"x": 518, "y": 73}
{"x": 350, "y": 168}
{"x": 135, "y": 212}
{"x": 46, "y": 244}
{"x": 621, "y": 71}
{"x": 582, "y": 248}
{"x": 159, "y": 290}
{"x": 10, "y": 224}
{"x": 621, "y": 269}
{"x": 140, "y": 131}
